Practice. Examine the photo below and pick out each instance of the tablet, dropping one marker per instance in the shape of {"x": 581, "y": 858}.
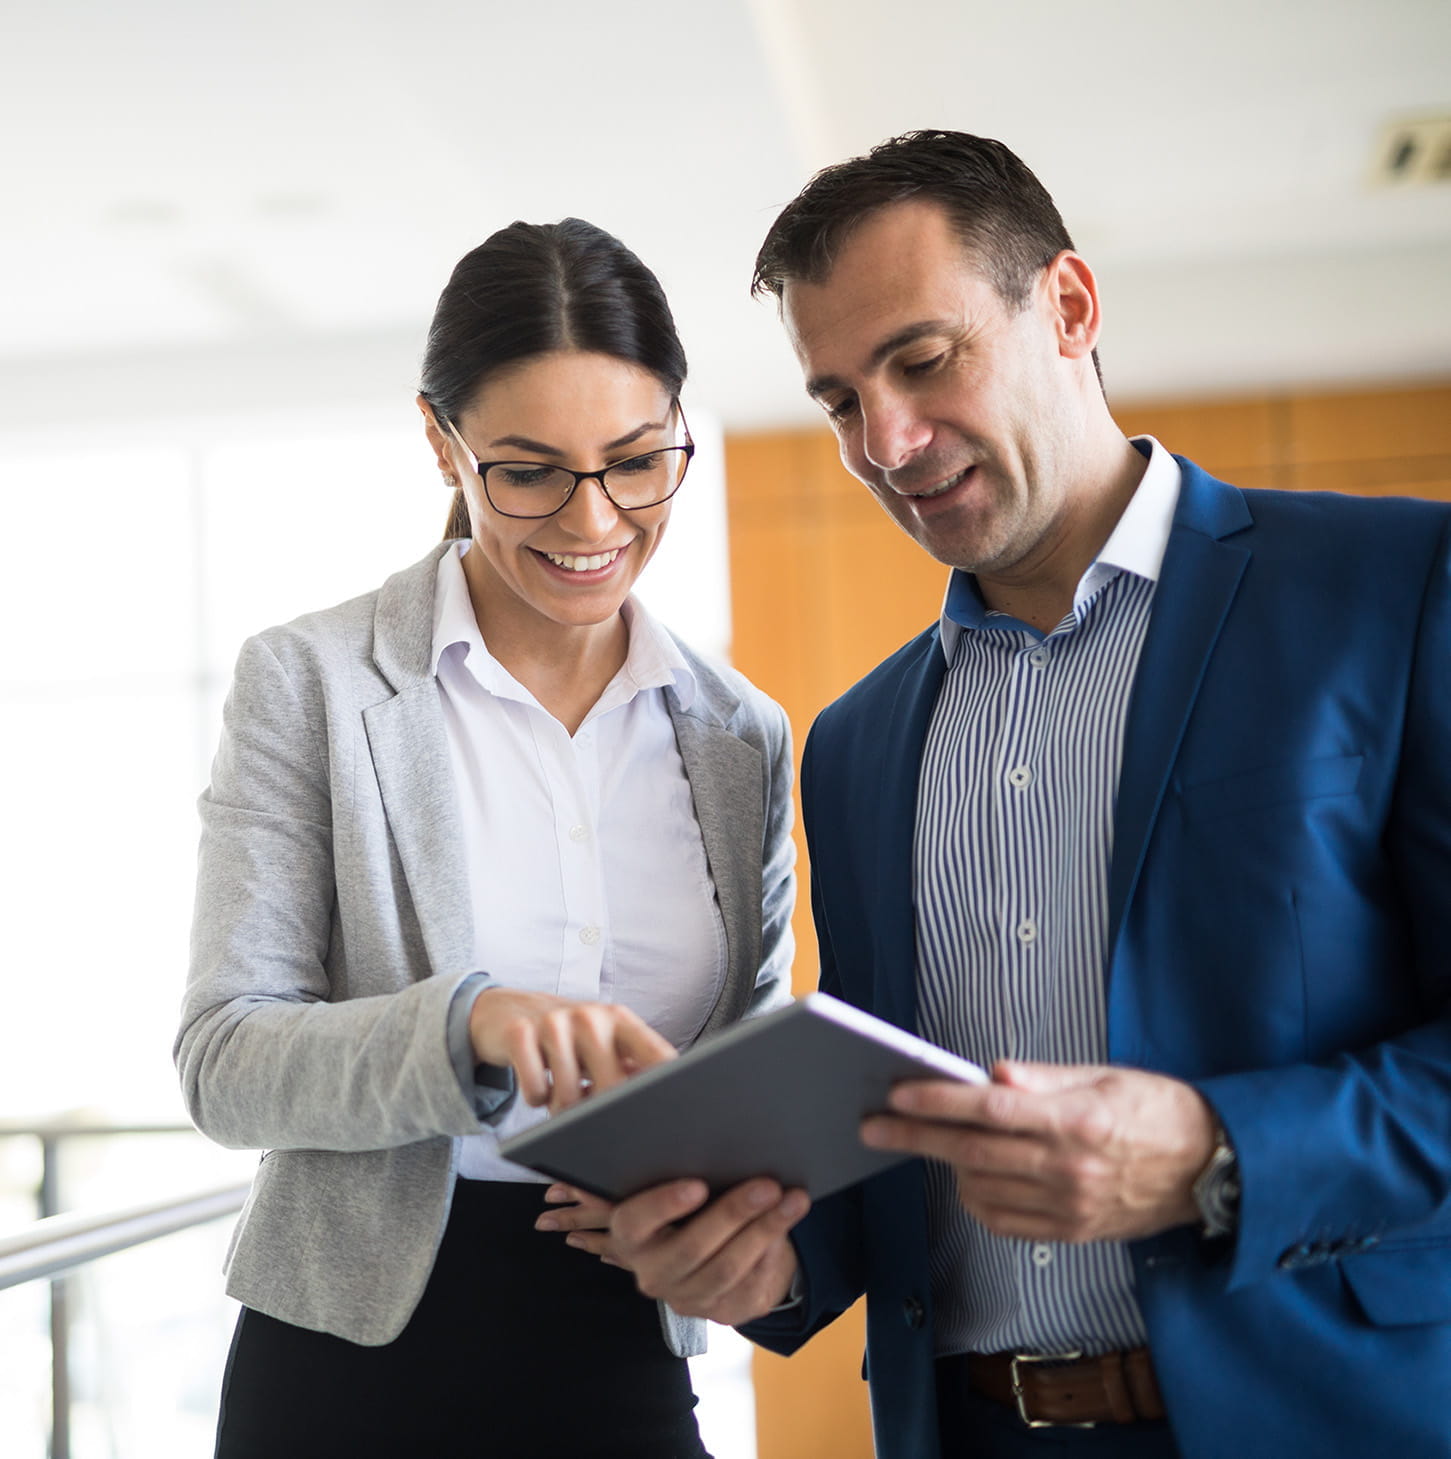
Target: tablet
{"x": 780, "y": 1095}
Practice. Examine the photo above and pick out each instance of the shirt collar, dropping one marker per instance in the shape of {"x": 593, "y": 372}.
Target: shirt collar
{"x": 1137, "y": 545}
{"x": 652, "y": 661}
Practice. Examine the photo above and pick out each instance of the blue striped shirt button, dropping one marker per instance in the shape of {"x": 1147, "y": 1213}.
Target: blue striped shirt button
{"x": 1022, "y": 777}
{"x": 1027, "y": 930}
{"x": 1042, "y": 1254}
{"x": 1038, "y": 657}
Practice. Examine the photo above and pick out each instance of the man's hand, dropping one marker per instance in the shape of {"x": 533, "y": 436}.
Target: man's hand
{"x": 728, "y": 1260}
{"x": 1050, "y": 1152}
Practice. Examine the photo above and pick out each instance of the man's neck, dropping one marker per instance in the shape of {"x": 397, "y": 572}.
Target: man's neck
{"x": 1041, "y": 593}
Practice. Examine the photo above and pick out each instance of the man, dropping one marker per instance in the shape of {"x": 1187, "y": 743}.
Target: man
{"x": 1156, "y": 822}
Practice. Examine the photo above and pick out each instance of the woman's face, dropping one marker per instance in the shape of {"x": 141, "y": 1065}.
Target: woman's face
{"x": 569, "y": 408}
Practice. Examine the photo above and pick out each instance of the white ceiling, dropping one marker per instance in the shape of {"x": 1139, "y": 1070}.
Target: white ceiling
{"x": 209, "y": 206}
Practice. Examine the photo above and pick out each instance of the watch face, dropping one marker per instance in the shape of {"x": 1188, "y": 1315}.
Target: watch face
{"x": 1216, "y": 1191}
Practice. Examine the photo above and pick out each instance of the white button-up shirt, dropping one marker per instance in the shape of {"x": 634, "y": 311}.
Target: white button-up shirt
{"x": 587, "y": 872}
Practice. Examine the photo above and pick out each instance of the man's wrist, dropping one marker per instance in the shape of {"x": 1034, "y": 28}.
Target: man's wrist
{"x": 1216, "y": 1188}
{"x": 795, "y": 1295}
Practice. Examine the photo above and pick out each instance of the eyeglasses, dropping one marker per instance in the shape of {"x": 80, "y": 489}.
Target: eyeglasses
{"x": 536, "y": 489}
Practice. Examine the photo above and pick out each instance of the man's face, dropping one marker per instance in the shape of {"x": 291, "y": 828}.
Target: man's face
{"x": 959, "y": 412}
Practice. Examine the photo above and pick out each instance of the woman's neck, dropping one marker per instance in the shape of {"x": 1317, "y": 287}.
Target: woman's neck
{"x": 565, "y": 666}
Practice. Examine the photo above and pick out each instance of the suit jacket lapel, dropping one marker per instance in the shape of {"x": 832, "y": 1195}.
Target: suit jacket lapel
{"x": 410, "y": 758}
{"x": 1197, "y": 584}
{"x": 895, "y": 827}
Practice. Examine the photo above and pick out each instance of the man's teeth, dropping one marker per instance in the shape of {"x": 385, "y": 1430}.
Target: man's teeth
{"x": 944, "y": 486}
{"x": 570, "y": 563}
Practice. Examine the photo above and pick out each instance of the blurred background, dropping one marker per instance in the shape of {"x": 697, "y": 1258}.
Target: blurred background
{"x": 222, "y": 231}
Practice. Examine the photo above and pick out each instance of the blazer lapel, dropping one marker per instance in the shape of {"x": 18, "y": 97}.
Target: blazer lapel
{"x": 1200, "y": 577}
{"x": 725, "y": 777}
{"x": 895, "y": 971}
{"x": 410, "y": 758}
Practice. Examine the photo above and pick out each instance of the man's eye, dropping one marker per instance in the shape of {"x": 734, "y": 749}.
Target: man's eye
{"x": 923, "y": 367}
{"x": 839, "y": 409}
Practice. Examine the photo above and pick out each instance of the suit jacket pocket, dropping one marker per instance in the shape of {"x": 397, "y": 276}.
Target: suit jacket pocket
{"x": 1403, "y": 1287}
{"x": 1272, "y": 785}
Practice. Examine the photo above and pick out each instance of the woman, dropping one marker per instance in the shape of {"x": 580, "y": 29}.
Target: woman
{"x": 475, "y": 844}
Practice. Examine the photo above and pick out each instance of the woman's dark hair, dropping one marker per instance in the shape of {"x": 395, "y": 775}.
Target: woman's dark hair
{"x": 1002, "y": 213}
{"x": 533, "y": 288}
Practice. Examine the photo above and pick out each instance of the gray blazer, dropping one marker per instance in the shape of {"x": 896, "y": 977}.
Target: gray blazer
{"x": 333, "y": 927}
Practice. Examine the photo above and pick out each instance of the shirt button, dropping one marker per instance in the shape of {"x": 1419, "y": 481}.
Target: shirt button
{"x": 1042, "y": 1255}
{"x": 579, "y": 833}
{"x": 1038, "y": 657}
{"x": 913, "y": 1312}
{"x": 1022, "y": 777}
{"x": 589, "y": 935}
{"x": 1027, "y": 930}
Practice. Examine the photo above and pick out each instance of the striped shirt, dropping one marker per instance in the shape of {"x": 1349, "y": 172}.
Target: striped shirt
{"x": 1014, "y": 835}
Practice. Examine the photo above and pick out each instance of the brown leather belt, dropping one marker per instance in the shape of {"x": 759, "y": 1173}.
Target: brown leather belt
{"x": 1110, "y": 1388}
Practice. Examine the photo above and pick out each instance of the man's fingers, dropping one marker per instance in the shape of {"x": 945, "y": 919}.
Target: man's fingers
{"x": 683, "y": 1249}
{"x": 724, "y": 1262}
{"x": 968, "y": 1147}
{"x": 639, "y": 1220}
{"x": 1046, "y": 1078}
{"x": 990, "y": 1106}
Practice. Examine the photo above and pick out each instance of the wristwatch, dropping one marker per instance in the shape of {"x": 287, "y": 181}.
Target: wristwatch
{"x": 1216, "y": 1187}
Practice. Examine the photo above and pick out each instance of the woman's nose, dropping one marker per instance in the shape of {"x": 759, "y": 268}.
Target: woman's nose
{"x": 589, "y": 514}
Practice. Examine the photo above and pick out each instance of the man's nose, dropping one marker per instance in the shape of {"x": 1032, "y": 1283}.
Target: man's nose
{"x": 892, "y": 432}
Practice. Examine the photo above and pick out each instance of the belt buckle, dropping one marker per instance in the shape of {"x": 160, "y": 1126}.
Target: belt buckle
{"x": 1020, "y": 1398}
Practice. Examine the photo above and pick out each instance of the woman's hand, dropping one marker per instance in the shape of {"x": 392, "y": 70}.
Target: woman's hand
{"x": 575, "y": 1210}
{"x": 561, "y": 1050}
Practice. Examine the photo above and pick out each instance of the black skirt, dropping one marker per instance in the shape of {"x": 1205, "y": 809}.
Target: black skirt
{"x": 521, "y": 1348}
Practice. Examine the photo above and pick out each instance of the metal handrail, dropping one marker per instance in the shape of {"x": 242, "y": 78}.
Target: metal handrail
{"x": 59, "y": 1243}
{"x": 56, "y": 1243}
{"x": 66, "y": 1127}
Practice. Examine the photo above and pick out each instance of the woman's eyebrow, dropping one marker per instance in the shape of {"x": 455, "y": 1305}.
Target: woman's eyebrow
{"x": 527, "y": 443}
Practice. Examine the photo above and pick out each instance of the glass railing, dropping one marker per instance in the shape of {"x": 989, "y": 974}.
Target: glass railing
{"x": 113, "y": 1321}
{"x": 121, "y": 1357}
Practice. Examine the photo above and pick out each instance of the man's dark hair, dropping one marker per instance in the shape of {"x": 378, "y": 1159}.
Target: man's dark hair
{"x": 1002, "y": 213}
{"x": 533, "y": 288}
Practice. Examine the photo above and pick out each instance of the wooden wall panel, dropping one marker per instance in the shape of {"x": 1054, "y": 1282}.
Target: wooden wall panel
{"x": 824, "y": 586}
{"x": 1239, "y": 440}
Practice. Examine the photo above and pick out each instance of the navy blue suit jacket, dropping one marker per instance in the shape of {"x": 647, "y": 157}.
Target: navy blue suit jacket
{"x": 1280, "y": 936}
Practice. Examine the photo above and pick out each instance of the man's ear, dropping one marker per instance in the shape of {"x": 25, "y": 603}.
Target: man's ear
{"x": 1072, "y": 296}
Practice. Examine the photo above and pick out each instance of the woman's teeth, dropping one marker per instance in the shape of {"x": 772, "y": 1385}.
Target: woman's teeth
{"x": 570, "y": 563}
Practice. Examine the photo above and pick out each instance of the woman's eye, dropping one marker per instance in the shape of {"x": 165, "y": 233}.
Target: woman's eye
{"x": 525, "y": 475}
{"x": 638, "y": 464}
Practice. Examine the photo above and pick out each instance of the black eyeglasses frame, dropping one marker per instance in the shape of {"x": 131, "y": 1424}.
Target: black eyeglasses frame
{"x": 484, "y": 467}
